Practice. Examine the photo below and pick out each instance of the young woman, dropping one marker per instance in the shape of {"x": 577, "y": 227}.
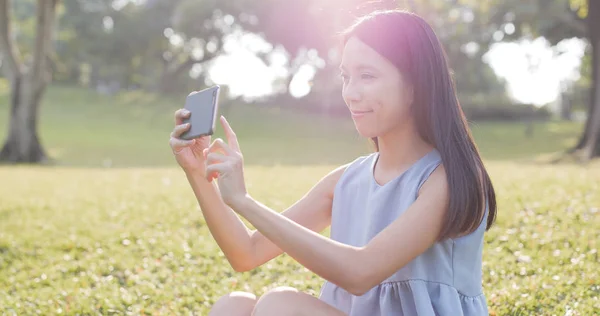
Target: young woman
{"x": 407, "y": 221}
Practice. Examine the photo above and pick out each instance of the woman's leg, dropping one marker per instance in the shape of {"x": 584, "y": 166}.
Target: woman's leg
{"x": 234, "y": 304}
{"x": 289, "y": 301}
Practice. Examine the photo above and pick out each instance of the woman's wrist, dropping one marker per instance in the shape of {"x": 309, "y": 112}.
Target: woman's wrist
{"x": 239, "y": 203}
{"x": 195, "y": 173}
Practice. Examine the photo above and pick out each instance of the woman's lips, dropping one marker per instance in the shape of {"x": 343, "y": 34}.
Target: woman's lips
{"x": 359, "y": 113}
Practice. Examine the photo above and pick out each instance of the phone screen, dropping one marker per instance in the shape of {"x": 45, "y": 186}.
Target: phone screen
{"x": 203, "y": 108}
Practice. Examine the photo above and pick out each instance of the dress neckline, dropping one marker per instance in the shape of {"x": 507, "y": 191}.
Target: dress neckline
{"x": 414, "y": 165}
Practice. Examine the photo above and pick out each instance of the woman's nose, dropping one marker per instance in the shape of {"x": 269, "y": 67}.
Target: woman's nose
{"x": 351, "y": 93}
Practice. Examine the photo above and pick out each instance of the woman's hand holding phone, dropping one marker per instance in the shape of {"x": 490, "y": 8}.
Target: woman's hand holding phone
{"x": 189, "y": 154}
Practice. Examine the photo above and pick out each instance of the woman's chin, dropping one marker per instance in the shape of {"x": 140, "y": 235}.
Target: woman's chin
{"x": 366, "y": 132}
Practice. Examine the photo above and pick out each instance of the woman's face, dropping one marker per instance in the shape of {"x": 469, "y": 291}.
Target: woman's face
{"x": 378, "y": 97}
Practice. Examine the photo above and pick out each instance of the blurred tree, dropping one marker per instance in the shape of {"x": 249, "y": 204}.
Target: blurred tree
{"x": 308, "y": 31}
{"x": 589, "y": 143}
{"x": 28, "y": 79}
{"x": 309, "y": 27}
{"x": 578, "y": 92}
{"x": 118, "y": 44}
{"x": 202, "y": 27}
{"x": 152, "y": 44}
{"x": 557, "y": 20}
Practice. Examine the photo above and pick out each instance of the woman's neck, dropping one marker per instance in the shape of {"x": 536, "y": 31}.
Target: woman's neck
{"x": 401, "y": 148}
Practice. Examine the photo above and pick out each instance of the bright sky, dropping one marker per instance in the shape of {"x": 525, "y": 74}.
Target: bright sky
{"x": 533, "y": 71}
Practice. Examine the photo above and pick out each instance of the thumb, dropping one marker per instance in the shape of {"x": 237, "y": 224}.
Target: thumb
{"x": 204, "y": 152}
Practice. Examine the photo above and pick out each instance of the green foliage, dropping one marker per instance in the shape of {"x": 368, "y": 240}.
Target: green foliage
{"x": 23, "y": 25}
{"x": 579, "y": 93}
{"x": 554, "y": 19}
{"x": 458, "y": 25}
{"x": 581, "y": 7}
{"x": 153, "y": 44}
{"x": 137, "y": 50}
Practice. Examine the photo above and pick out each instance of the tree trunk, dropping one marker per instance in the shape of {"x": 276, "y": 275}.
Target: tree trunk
{"x": 590, "y": 144}
{"x": 589, "y": 141}
{"x": 22, "y": 144}
{"x": 565, "y": 107}
{"x": 27, "y": 86}
{"x": 586, "y": 130}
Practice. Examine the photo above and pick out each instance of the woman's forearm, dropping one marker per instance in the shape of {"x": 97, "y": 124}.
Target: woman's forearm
{"x": 228, "y": 230}
{"x": 331, "y": 260}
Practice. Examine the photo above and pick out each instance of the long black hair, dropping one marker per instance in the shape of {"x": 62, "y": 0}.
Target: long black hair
{"x": 409, "y": 42}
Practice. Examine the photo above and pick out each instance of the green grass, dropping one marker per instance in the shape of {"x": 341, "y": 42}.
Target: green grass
{"x": 83, "y": 129}
{"x": 78, "y": 237}
{"x": 131, "y": 130}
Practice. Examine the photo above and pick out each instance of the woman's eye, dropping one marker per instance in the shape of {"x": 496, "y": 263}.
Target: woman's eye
{"x": 367, "y": 76}
{"x": 364, "y": 76}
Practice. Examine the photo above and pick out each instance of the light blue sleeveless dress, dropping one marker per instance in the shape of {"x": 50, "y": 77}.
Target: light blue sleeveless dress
{"x": 444, "y": 280}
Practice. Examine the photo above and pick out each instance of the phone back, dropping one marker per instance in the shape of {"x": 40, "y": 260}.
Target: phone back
{"x": 203, "y": 107}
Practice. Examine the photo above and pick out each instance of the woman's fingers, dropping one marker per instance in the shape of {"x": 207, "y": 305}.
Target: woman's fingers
{"x": 212, "y": 176}
{"x": 213, "y": 170}
{"x": 175, "y": 142}
{"x": 230, "y": 134}
{"x": 179, "y": 129}
{"x": 178, "y": 144}
{"x": 220, "y": 145}
{"x": 180, "y": 115}
{"x": 213, "y": 158}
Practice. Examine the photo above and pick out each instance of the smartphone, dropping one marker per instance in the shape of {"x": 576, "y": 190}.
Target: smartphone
{"x": 203, "y": 106}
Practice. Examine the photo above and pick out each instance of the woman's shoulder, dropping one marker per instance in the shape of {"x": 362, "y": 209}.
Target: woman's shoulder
{"x": 334, "y": 176}
{"x": 358, "y": 163}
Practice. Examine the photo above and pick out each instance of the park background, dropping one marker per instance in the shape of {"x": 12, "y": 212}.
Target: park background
{"x": 96, "y": 218}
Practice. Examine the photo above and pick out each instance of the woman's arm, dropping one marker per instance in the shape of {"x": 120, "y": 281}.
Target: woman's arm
{"x": 312, "y": 211}
{"x": 357, "y": 269}
{"x": 247, "y": 249}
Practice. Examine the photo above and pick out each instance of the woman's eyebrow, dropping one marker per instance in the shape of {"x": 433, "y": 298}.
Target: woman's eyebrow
{"x": 359, "y": 67}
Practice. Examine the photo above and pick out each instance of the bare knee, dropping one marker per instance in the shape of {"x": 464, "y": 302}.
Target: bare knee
{"x": 234, "y": 304}
{"x": 277, "y": 301}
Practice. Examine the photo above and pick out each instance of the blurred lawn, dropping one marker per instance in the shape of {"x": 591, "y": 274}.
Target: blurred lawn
{"x": 78, "y": 238}
{"x": 79, "y": 128}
